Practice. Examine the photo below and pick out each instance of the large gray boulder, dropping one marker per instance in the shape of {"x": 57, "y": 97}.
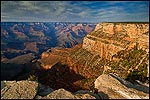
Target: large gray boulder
{"x": 117, "y": 89}
{"x": 58, "y": 94}
{"x": 34, "y": 90}
{"x": 19, "y": 90}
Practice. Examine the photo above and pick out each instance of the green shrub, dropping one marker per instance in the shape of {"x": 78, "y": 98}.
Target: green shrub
{"x": 130, "y": 59}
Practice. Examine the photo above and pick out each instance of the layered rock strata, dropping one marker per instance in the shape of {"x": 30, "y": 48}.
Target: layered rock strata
{"x": 109, "y": 38}
{"x": 94, "y": 56}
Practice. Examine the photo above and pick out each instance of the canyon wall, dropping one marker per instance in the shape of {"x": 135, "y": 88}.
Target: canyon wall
{"x": 81, "y": 65}
{"x": 109, "y": 38}
{"x": 132, "y": 29}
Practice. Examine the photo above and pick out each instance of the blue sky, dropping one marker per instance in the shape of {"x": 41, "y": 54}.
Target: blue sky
{"x": 74, "y": 11}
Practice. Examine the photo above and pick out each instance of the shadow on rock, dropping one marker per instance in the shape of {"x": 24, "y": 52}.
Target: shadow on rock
{"x": 97, "y": 95}
{"x": 139, "y": 87}
{"x": 11, "y": 71}
{"x": 102, "y": 95}
{"x": 60, "y": 76}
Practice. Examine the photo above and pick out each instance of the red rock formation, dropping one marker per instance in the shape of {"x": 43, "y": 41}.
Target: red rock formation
{"x": 109, "y": 38}
{"x": 31, "y": 46}
{"x": 132, "y": 29}
{"x": 36, "y": 33}
{"x": 90, "y": 59}
{"x": 19, "y": 34}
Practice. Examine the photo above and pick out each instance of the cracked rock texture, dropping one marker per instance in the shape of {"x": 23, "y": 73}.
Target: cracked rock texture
{"x": 19, "y": 90}
{"x": 108, "y": 84}
{"x": 35, "y": 90}
{"x": 59, "y": 94}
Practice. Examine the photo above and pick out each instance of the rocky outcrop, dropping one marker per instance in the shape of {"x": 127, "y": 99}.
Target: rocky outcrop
{"x": 131, "y": 28}
{"x": 59, "y": 94}
{"x": 104, "y": 49}
{"x": 116, "y": 90}
{"x": 107, "y": 86}
{"x": 23, "y": 89}
{"x": 34, "y": 90}
{"x": 63, "y": 94}
{"x": 109, "y": 38}
{"x": 19, "y": 90}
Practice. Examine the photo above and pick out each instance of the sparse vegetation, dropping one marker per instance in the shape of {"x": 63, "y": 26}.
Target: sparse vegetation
{"x": 132, "y": 64}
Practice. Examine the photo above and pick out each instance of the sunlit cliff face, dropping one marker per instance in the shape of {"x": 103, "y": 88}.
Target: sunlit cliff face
{"x": 102, "y": 51}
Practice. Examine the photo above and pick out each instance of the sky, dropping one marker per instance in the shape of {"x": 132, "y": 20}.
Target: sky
{"x": 74, "y": 11}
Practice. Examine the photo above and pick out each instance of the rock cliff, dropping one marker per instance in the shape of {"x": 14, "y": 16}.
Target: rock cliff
{"x": 109, "y": 38}
{"x": 114, "y": 50}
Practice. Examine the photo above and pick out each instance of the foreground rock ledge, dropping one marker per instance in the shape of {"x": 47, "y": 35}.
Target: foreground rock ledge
{"x": 35, "y": 90}
{"x": 19, "y": 90}
{"x": 108, "y": 84}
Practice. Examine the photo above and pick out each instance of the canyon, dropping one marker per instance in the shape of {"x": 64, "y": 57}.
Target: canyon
{"x": 18, "y": 38}
{"x": 113, "y": 53}
{"x": 22, "y": 42}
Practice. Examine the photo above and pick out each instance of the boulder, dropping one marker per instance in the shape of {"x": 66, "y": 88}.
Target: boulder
{"x": 19, "y": 90}
{"x": 64, "y": 94}
{"x": 117, "y": 90}
{"x": 58, "y": 94}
